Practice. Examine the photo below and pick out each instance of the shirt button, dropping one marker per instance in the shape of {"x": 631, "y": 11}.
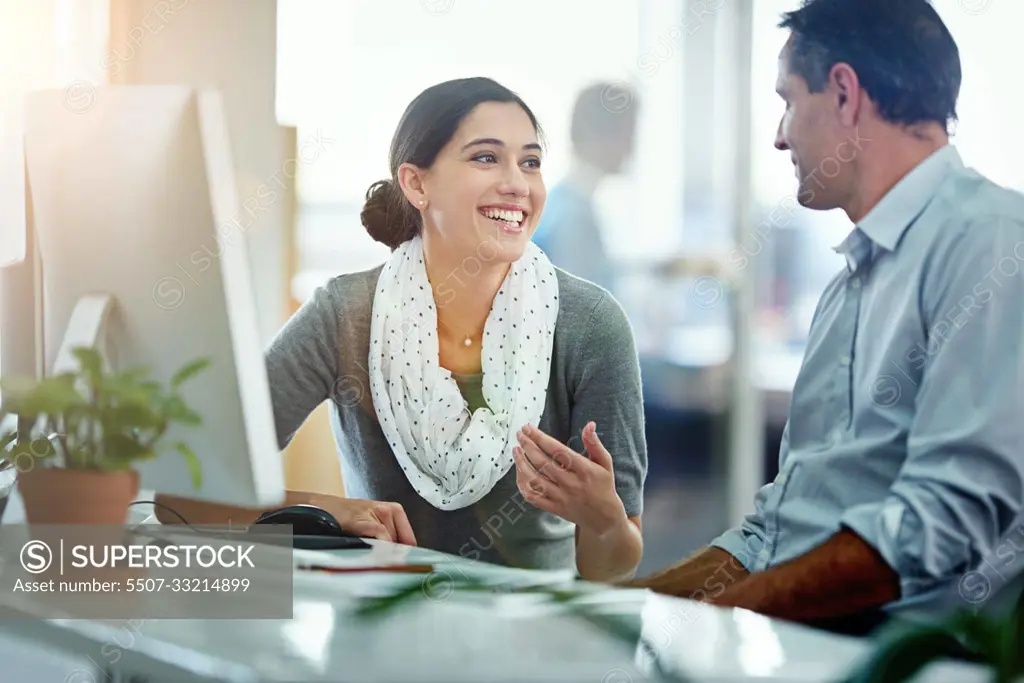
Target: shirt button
{"x": 844, "y": 360}
{"x": 836, "y": 435}
{"x": 855, "y": 283}
{"x": 764, "y": 555}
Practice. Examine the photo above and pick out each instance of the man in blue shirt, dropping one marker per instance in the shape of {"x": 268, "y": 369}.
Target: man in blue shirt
{"x": 602, "y": 132}
{"x": 901, "y": 471}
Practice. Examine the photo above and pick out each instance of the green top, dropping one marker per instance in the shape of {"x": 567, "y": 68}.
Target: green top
{"x": 472, "y": 388}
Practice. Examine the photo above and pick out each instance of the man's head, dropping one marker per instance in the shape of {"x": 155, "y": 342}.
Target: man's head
{"x": 859, "y": 73}
{"x": 604, "y": 125}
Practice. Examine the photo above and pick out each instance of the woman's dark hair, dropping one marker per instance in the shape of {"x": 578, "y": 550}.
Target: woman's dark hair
{"x": 427, "y": 125}
{"x": 903, "y": 54}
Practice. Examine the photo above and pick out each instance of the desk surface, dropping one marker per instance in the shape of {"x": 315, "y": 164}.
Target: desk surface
{"x": 449, "y": 640}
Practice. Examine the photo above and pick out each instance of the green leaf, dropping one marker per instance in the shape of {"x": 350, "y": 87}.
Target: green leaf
{"x": 151, "y": 388}
{"x": 189, "y": 371}
{"x": 175, "y": 409}
{"x": 195, "y": 469}
{"x": 49, "y": 396}
{"x": 117, "y": 389}
{"x": 16, "y": 387}
{"x": 133, "y": 374}
{"x": 58, "y": 395}
{"x": 902, "y": 657}
{"x": 90, "y": 361}
{"x": 123, "y": 418}
{"x": 121, "y": 451}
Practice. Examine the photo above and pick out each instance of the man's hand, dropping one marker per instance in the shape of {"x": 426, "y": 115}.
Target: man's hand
{"x": 369, "y": 518}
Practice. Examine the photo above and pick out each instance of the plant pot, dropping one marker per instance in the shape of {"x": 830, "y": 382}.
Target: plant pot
{"x": 57, "y": 495}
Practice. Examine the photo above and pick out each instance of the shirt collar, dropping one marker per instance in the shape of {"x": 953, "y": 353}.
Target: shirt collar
{"x": 885, "y": 224}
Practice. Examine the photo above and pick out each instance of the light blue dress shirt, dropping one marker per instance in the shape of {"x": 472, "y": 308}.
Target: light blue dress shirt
{"x": 906, "y": 423}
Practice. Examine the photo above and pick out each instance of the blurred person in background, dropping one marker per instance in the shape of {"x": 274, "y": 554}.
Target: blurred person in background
{"x": 901, "y": 469}
{"x": 602, "y": 132}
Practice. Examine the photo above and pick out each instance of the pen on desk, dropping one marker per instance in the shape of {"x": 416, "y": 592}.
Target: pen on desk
{"x": 393, "y": 568}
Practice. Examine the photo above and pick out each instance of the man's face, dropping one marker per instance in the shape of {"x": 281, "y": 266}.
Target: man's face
{"x": 810, "y": 130}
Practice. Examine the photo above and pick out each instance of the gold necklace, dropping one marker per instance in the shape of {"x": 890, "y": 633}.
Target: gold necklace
{"x": 467, "y": 342}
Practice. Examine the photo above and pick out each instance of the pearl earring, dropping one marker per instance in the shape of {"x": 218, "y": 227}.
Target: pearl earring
{"x": 422, "y": 203}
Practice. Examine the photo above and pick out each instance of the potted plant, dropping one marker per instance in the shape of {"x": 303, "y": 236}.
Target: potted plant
{"x": 78, "y": 434}
{"x": 903, "y": 650}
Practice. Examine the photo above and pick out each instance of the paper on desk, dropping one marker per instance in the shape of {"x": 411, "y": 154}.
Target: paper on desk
{"x": 445, "y": 570}
{"x": 440, "y": 582}
{"x": 377, "y": 556}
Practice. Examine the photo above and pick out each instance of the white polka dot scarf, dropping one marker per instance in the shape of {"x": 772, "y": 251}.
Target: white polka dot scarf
{"x": 453, "y": 458}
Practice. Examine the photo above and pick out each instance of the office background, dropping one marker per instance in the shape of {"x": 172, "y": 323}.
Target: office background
{"x": 314, "y": 89}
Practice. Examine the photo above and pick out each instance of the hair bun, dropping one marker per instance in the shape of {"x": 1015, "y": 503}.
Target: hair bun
{"x": 384, "y": 214}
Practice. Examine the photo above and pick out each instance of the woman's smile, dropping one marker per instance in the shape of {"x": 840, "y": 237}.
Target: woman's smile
{"x": 509, "y": 217}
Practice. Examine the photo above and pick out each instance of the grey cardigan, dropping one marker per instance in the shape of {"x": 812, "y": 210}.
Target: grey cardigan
{"x": 321, "y": 354}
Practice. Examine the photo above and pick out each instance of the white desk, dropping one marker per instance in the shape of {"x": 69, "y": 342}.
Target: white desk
{"x": 446, "y": 641}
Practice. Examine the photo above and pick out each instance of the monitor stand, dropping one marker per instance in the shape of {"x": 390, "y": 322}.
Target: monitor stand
{"x": 87, "y": 327}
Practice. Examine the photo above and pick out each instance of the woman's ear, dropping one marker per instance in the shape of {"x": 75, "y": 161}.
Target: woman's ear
{"x": 411, "y": 180}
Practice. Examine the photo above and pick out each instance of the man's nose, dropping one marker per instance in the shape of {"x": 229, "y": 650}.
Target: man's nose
{"x": 780, "y": 139}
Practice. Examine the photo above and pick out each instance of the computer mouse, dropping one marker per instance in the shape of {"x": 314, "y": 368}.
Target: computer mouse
{"x": 306, "y": 520}
{"x": 313, "y": 528}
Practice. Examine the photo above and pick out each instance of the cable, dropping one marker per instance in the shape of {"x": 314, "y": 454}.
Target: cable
{"x": 165, "y": 507}
{"x": 184, "y": 521}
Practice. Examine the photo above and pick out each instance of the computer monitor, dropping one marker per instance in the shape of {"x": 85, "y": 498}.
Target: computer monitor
{"x": 135, "y": 248}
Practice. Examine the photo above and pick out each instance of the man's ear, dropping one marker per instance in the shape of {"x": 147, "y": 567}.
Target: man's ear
{"x": 844, "y": 82}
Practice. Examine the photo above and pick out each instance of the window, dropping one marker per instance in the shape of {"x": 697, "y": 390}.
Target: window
{"x": 350, "y": 69}
{"x": 42, "y": 45}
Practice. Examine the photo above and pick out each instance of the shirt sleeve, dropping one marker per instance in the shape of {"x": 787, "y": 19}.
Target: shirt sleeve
{"x": 302, "y": 363}
{"x": 962, "y": 484}
{"x": 746, "y": 540}
{"x": 609, "y": 394}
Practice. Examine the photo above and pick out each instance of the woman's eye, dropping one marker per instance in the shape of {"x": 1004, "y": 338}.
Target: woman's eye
{"x": 487, "y": 157}
{"x": 532, "y": 162}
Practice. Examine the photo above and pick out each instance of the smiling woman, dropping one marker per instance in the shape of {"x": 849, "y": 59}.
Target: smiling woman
{"x": 473, "y": 359}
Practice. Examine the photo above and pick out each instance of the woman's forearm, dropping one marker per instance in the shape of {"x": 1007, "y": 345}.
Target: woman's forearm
{"x": 612, "y": 556}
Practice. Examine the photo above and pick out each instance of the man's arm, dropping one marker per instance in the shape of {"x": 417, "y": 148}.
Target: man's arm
{"x": 706, "y": 574}
{"x": 842, "y": 577}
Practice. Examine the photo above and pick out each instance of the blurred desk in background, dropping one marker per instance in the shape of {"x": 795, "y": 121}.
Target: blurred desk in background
{"x": 687, "y": 396}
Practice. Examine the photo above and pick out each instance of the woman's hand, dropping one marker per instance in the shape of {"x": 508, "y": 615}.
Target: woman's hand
{"x": 555, "y": 478}
{"x": 369, "y": 518}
